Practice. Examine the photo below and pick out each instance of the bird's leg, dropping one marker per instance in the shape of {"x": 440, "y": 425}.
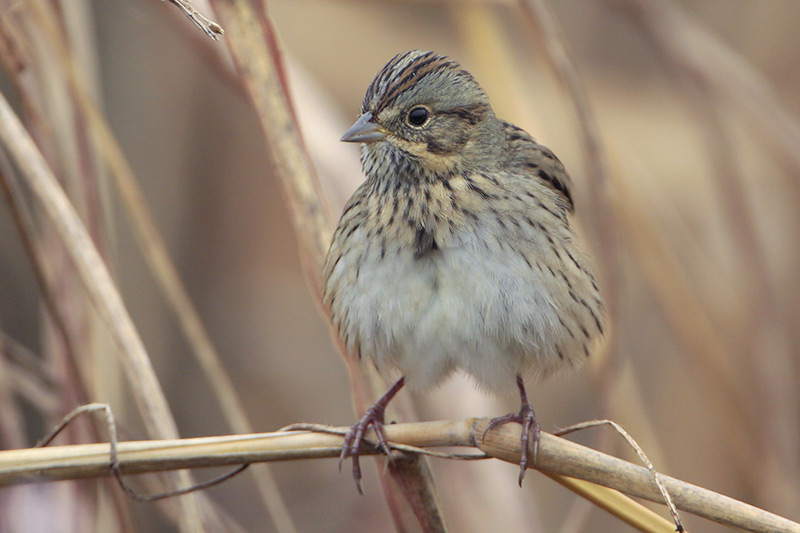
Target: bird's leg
{"x": 530, "y": 427}
{"x": 374, "y": 417}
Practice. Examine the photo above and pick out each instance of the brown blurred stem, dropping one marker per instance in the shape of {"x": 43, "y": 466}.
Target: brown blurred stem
{"x": 603, "y": 230}
{"x": 549, "y": 33}
{"x": 673, "y": 34}
{"x": 97, "y": 281}
{"x": 254, "y": 47}
{"x": 155, "y": 252}
{"x": 721, "y": 85}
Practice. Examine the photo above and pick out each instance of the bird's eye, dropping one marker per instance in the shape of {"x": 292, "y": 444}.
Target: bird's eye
{"x": 418, "y": 116}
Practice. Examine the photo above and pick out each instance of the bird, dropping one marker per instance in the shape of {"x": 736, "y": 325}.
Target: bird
{"x": 456, "y": 252}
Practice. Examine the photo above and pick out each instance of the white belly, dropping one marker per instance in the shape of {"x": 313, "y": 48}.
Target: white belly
{"x": 487, "y": 313}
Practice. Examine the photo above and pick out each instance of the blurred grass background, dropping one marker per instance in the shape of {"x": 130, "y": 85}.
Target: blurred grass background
{"x": 704, "y": 202}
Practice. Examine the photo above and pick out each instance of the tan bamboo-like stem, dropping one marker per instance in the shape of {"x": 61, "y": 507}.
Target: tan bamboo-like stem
{"x": 556, "y": 457}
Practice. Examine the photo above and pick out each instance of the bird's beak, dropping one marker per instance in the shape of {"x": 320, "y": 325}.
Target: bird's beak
{"x": 365, "y": 130}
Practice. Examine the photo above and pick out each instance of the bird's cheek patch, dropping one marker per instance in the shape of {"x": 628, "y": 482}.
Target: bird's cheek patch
{"x": 434, "y": 157}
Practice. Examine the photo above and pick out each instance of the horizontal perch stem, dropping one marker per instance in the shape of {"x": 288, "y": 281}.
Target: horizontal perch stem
{"x": 555, "y": 456}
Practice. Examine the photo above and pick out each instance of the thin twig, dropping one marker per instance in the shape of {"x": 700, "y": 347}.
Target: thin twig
{"x": 639, "y": 451}
{"x": 209, "y": 27}
{"x": 113, "y": 455}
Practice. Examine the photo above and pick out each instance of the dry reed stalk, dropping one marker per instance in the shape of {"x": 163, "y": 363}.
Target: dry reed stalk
{"x": 556, "y": 457}
{"x": 96, "y": 279}
{"x": 722, "y": 86}
{"x": 698, "y": 53}
{"x": 619, "y": 505}
{"x": 254, "y": 47}
{"x": 165, "y": 273}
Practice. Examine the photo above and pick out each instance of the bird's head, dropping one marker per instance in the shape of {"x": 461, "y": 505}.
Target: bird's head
{"x": 426, "y": 115}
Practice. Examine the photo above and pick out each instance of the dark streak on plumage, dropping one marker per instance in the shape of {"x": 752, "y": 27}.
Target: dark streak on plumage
{"x": 564, "y": 325}
{"x": 525, "y": 258}
{"x": 544, "y": 207}
{"x": 424, "y": 243}
{"x": 437, "y": 148}
{"x": 336, "y": 262}
{"x": 352, "y": 230}
{"x": 597, "y": 321}
{"x": 471, "y": 114}
{"x": 557, "y": 184}
{"x": 474, "y": 187}
{"x": 574, "y": 298}
{"x": 566, "y": 279}
{"x": 595, "y": 287}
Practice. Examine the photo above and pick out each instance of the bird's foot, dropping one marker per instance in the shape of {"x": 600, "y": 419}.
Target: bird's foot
{"x": 374, "y": 417}
{"x": 353, "y": 438}
{"x": 530, "y": 433}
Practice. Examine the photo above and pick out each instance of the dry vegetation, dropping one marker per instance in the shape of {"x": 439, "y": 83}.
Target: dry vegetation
{"x": 678, "y": 121}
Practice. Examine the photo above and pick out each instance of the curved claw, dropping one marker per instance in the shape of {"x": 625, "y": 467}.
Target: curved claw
{"x": 530, "y": 433}
{"x": 351, "y": 447}
{"x": 530, "y": 429}
{"x": 346, "y": 445}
